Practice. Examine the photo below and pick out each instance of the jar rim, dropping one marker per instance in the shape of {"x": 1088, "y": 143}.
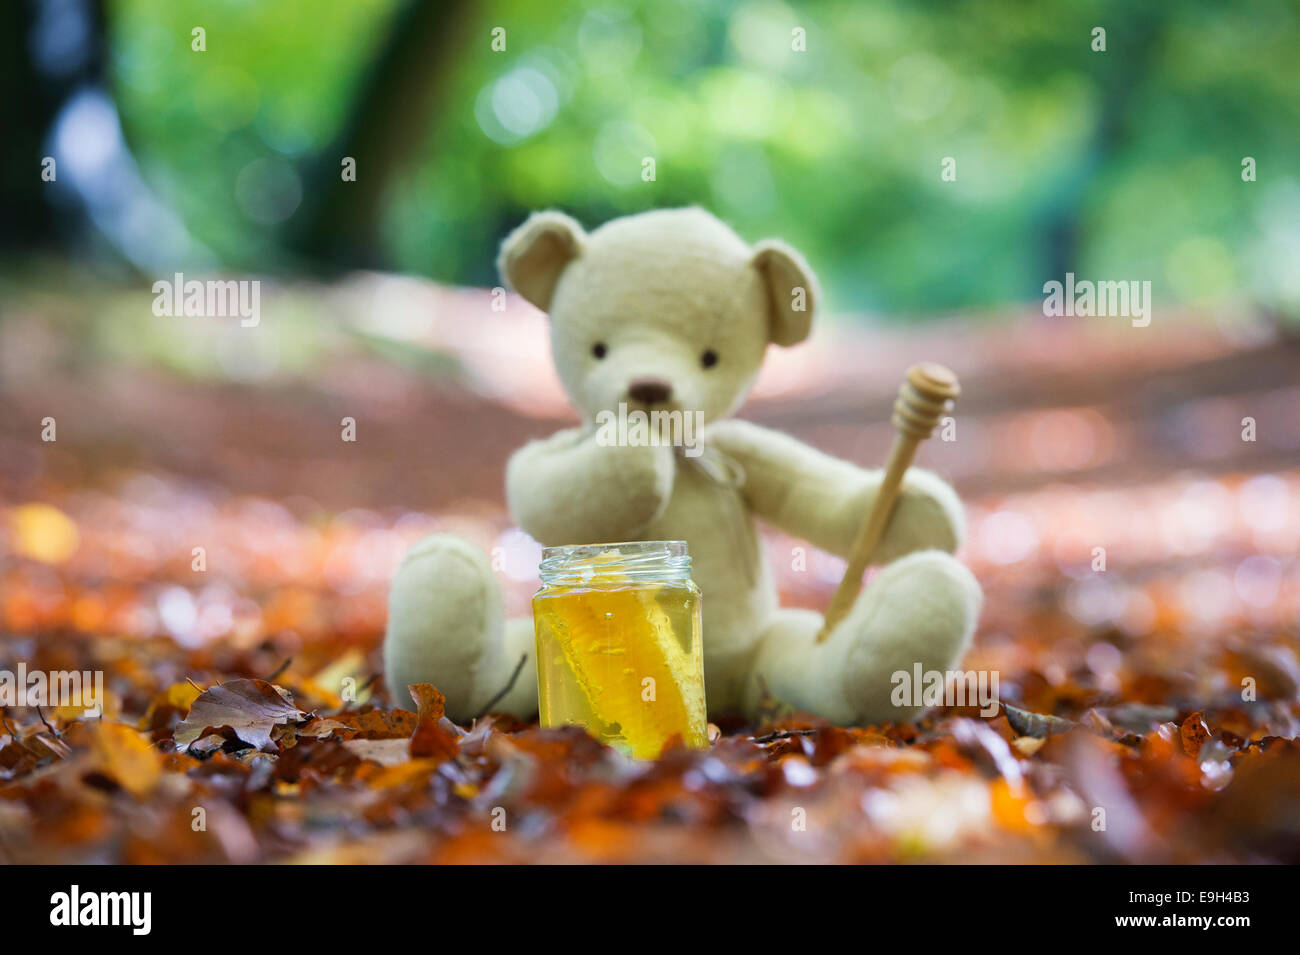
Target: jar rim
{"x": 622, "y": 561}
{"x": 667, "y": 548}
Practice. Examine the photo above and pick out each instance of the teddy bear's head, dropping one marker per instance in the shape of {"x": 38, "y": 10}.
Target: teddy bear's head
{"x": 664, "y": 310}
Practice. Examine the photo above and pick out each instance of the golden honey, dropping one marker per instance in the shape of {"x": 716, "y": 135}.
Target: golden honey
{"x": 618, "y": 645}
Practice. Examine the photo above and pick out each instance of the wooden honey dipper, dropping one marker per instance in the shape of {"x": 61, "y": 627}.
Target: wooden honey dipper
{"x": 926, "y": 394}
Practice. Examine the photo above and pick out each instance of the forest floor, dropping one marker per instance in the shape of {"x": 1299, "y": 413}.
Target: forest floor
{"x": 211, "y": 545}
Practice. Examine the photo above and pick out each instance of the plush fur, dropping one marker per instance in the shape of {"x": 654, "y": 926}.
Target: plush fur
{"x": 658, "y": 290}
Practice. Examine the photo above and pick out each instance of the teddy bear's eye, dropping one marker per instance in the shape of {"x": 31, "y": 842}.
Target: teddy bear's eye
{"x": 598, "y": 349}
{"x": 709, "y": 358}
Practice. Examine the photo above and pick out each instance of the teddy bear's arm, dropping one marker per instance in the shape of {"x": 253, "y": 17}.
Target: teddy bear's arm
{"x": 823, "y": 499}
{"x": 568, "y": 489}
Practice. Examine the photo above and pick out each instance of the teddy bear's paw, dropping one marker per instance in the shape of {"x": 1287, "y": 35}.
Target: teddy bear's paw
{"x": 572, "y": 487}
{"x": 644, "y": 477}
{"x": 445, "y": 625}
{"x": 916, "y": 617}
{"x": 928, "y": 515}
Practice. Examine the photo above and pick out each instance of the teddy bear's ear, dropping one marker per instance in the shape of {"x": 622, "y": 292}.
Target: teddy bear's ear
{"x": 792, "y": 291}
{"x": 533, "y": 256}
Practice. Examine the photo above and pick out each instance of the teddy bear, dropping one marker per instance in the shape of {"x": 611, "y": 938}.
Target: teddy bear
{"x": 671, "y": 310}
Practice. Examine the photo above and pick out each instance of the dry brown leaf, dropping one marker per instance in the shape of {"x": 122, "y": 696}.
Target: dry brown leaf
{"x": 126, "y": 756}
{"x": 385, "y": 752}
{"x": 177, "y": 698}
{"x": 430, "y": 739}
{"x": 1039, "y": 725}
{"x": 249, "y": 708}
{"x": 378, "y": 724}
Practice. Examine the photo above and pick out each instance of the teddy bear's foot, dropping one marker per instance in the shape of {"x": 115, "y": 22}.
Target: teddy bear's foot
{"x": 445, "y": 627}
{"x": 920, "y": 610}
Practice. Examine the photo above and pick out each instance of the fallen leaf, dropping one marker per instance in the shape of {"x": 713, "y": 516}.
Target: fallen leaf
{"x": 176, "y": 699}
{"x": 378, "y": 724}
{"x": 430, "y": 739}
{"x": 385, "y": 752}
{"x": 1194, "y": 733}
{"x": 318, "y": 728}
{"x": 251, "y": 709}
{"x": 347, "y": 673}
{"x": 1038, "y": 725}
{"x": 1028, "y": 745}
{"x": 126, "y": 756}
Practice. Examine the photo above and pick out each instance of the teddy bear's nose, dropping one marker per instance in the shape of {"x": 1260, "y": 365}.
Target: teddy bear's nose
{"x": 650, "y": 390}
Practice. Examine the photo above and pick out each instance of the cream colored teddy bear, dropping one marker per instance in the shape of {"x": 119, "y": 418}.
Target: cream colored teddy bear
{"x": 671, "y": 310}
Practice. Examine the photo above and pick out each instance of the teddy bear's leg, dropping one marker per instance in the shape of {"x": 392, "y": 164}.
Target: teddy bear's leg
{"x": 920, "y": 609}
{"x": 445, "y": 627}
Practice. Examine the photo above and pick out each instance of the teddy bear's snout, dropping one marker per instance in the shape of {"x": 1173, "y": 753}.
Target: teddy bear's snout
{"x": 650, "y": 391}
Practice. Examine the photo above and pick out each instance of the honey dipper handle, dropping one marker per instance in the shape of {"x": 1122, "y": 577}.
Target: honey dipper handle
{"x": 922, "y": 401}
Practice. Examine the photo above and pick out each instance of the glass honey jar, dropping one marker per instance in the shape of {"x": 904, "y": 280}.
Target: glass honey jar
{"x": 619, "y": 648}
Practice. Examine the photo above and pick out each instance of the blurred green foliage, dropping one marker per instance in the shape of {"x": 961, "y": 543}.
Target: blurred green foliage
{"x": 1118, "y": 164}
